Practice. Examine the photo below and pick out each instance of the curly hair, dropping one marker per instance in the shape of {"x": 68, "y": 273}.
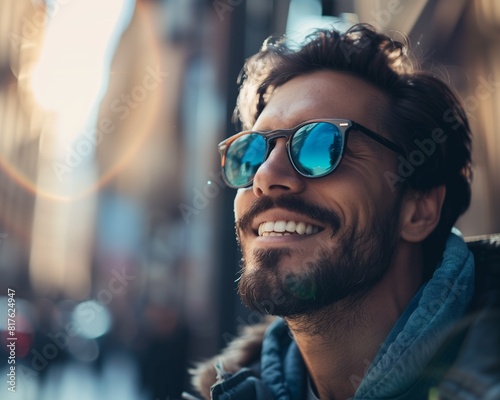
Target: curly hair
{"x": 423, "y": 114}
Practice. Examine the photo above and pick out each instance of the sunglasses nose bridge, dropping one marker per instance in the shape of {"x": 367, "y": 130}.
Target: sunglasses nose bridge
{"x": 273, "y": 136}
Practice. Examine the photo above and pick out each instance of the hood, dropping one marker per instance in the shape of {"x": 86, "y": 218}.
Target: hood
{"x": 243, "y": 351}
{"x": 423, "y": 327}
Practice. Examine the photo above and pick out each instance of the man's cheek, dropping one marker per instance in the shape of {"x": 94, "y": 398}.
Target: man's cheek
{"x": 238, "y": 204}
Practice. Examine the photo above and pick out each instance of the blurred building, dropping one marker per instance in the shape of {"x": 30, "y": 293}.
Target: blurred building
{"x": 116, "y": 230}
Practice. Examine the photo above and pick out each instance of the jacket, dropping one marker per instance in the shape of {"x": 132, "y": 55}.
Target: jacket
{"x": 265, "y": 363}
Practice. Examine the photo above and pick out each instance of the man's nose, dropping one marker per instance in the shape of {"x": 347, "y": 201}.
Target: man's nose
{"x": 277, "y": 175}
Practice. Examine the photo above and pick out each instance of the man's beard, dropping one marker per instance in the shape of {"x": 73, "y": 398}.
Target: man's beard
{"x": 340, "y": 273}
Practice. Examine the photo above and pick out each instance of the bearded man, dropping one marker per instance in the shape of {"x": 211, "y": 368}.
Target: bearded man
{"x": 351, "y": 171}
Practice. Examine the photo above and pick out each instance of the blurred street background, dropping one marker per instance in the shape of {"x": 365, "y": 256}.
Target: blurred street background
{"x": 116, "y": 231}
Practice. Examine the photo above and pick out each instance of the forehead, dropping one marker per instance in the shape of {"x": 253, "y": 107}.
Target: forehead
{"x": 323, "y": 94}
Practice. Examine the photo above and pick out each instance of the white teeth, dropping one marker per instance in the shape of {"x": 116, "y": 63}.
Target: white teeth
{"x": 269, "y": 226}
{"x": 282, "y": 228}
{"x": 301, "y": 228}
{"x": 274, "y": 234}
{"x": 279, "y": 226}
{"x": 290, "y": 226}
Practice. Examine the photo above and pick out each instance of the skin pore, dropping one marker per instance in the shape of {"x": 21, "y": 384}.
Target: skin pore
{"x": 366, "y": 233}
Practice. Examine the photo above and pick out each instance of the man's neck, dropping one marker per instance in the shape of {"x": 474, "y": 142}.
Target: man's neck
{"x": 339, "y": 343}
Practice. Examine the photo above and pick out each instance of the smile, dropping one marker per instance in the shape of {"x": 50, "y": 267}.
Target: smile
{"x": 284, "y": 228}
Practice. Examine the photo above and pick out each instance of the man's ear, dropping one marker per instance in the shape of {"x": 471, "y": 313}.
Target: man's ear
{"x": 420, "y": 213}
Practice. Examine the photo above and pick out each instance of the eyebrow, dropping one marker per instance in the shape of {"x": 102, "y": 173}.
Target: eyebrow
{"x": 281, "y": 124}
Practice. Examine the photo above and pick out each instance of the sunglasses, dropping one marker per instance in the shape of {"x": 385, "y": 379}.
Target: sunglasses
{"x": 315, "y": 149}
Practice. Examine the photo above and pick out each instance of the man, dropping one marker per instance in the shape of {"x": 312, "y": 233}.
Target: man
{"x": 353, "y": 168}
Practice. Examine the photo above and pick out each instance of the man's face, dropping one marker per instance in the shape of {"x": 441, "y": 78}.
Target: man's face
{"x": 350, "y": 217}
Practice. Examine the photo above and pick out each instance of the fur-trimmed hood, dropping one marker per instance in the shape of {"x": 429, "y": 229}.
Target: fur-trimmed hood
{"x": 241, "y": 352}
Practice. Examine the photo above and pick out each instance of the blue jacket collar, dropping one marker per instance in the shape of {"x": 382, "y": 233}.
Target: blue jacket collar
{"x": 421, "y": 329}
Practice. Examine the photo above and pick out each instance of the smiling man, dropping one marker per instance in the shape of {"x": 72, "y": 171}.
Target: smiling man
{"x": 351, "y": 171}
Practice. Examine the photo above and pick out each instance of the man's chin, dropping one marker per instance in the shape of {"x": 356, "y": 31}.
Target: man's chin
{"x": 271, "y": 292}
{"x": 279, "y": 289}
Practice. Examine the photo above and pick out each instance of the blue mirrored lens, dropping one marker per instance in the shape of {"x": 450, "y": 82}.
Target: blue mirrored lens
{"x": 243, "y": 157}
{"x": 316, "y": 148}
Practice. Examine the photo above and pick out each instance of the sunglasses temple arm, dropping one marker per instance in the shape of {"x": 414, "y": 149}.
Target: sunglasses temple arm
{"x": 382, "y": 140}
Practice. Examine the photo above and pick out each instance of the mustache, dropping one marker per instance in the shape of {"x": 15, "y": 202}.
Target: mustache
{"x": 290, "y": 203}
